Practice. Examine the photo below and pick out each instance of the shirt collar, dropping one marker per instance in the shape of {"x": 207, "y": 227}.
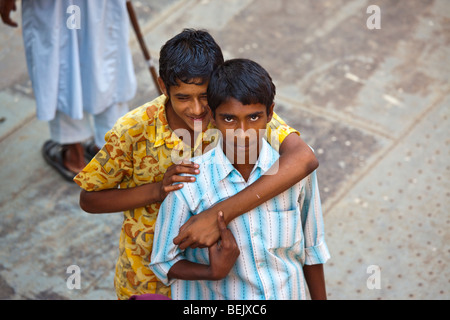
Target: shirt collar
{"x": 267, "y": 157}
{"x": 162, "y": 130}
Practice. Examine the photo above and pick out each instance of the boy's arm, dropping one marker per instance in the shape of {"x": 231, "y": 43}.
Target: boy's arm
{"x": 167, "y": 260}
{"x": 315, "y": 279}
{"x": 316, "y": 250}
{"x": 116, "y": 200}
{"x": 112, "y": 165}
{"x": 221, "y": 259}
{"x": 296, "y": 162}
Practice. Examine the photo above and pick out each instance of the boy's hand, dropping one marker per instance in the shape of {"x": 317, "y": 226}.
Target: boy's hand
{"x": 223, "y": 255}
{"x": 200, "y": 231}
{"x": 6, "y": 6}
{"x": 172, "y": 175}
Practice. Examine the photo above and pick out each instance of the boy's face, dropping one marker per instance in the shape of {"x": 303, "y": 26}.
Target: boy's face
{"x": 189, "y": 103}
{"x": 242, "y": 127}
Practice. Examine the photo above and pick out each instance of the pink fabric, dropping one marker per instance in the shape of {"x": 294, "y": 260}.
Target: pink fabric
{"x": 149, "y": 296}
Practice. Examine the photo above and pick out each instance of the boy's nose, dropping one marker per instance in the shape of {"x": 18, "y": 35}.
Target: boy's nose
{"x": 198, "y": 108}
{"x": 243, "y": 127}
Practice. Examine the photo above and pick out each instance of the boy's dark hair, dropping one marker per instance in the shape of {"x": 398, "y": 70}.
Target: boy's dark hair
{"x": 243, "y": 80}
{"x": 190, "y": 55}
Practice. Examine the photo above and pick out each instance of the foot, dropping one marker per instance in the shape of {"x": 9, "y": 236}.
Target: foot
{"x": 73, "y": 157}
{"x": 63, "y": 158}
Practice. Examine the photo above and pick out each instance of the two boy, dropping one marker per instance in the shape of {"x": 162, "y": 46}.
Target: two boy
{"x": 277, "y": 245}
{"x": 134, "y": 171}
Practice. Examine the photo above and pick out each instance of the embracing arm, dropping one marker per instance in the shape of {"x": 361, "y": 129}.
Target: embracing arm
{"x": 296, "y": 162}
{"x": 116, "y": 200}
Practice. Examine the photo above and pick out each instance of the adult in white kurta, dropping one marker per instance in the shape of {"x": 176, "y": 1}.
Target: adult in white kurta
{"x": 79, "y": 64}
{"x": 78, "y": 60}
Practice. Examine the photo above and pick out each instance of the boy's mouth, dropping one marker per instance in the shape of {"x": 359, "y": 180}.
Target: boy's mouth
{"x": 246, "y": 146}
{"x": 199, "y": 117}
{"x": 242, "y": 146}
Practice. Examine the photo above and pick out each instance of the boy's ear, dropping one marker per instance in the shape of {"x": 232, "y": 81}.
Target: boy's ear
{"x": 270, "y": 114}
{"x": 162, "y": 86}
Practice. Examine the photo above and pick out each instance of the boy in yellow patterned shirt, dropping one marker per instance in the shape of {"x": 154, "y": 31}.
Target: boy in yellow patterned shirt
{"x": 135, "y": 170}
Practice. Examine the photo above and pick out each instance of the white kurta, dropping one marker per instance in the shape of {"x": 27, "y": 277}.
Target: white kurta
{"x": 78, "y": 60}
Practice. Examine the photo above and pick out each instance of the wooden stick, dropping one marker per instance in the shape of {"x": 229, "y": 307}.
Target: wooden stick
{"x": 140, "y": 38}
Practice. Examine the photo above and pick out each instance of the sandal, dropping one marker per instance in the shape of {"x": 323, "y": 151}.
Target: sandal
{"x": 53, "y": 155}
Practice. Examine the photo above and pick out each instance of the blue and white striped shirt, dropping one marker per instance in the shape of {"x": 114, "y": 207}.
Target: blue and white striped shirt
{"x": 275, "y": 239}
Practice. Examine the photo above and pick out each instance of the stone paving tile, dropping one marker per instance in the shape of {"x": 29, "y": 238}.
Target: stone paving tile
{"x": 342, "y": 151}
{"x": 397, "y": 218}
{"x": 322, "y": 55}
{"x": 12, "y": 56}
{"x": 15, "y": 110}
{"x": 46, "y": 231}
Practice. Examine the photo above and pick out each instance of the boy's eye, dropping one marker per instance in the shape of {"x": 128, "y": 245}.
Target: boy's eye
{"x": 254, "y": 117}
{"x": 228, "y": 119}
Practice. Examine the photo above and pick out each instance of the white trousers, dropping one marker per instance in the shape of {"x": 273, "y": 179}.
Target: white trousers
{"x": 65, "y": 130}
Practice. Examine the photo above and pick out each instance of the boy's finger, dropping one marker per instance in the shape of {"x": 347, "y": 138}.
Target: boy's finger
{"x": 189, "y": 163}
{"x": 182, "y": 166}
{"x": 177, "y": 178}
{"x": 186, "y": 243}
{"x": 221, "y": 222}
{"x": 174, "y": 187}
{"x": 178, "y": 240}
{"x": 181, "y": 233}
{"x": 225, "y": 234}
{"x": 194, "y": 245}
{"x": 227, "y": 239}
{"x": 179, "y": 169}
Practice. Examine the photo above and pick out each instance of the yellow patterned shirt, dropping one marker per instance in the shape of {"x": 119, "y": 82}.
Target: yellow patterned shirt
{"x": 138, "y": 150}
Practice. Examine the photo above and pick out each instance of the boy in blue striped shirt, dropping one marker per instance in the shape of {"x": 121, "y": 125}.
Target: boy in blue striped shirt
{"x": 274, "y": 251}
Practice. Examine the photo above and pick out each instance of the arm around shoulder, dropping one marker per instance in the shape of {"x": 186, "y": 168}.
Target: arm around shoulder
{"x": 117, "y": 200}
{"x": 296, "y": 162}
{"x": 294, "y": 149}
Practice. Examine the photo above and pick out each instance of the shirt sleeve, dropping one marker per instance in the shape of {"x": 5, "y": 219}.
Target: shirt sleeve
{"x": 111, "y": 166}
{"x": 277, "y": 131}
{"x": 316, "y": 250}
{"x": 173, "y": 213}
